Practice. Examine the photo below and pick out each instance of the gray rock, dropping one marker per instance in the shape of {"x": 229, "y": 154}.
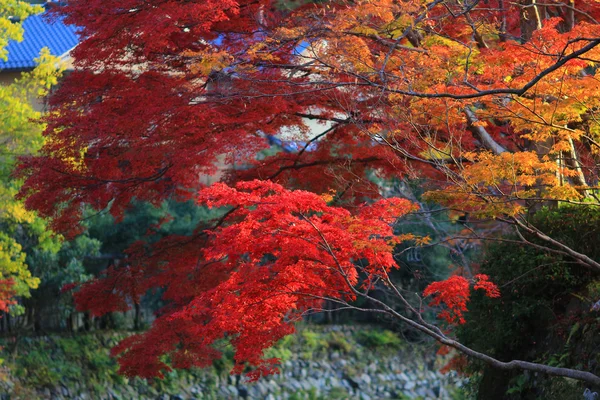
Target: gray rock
{"x": 322, "y": 383}
{"x": 253, "y": 391}
{"x": 410, "y": 385}
{"x": 422, "y": 392}
{"x": 296, "y": 385}
{"x": 346, "y": 385}
{"x": 313, "y": 382}
{"x": 410, "y": 394}
{"x": 334, "y": 382}
{"x": 273, "y": 385}
{"x": 112, "y": 395}
{"x": 402, "y": 377}
{"x": 262, "y": 388}
{"x": 233, "y": 390}
{"x": 366, "y": 379}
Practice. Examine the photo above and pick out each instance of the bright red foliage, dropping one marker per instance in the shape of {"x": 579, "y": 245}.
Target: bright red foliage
{"x": 280, "y": 253}
{"x": 454, "y": 293}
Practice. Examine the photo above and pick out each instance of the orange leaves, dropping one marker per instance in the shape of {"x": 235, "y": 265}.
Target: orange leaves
{"x": 207, "y": 61}
{"x": 518, "y": 169}
{"x": 371, "y": 13}
{"x": 454, "y": 294}
{"x": 495, "y": 185}
{"x": 563, "y": 192}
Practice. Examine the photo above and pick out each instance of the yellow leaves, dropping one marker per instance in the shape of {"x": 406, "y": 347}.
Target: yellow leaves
{"x": 365, "y": 30}
{"x": 560, "y": 146}
{"x": 46, "y": 74}
{"x": 21, "y": 134}
{"x": 406, "y": 237}
{"x": 397, "y": 27}
{"x": 68, "y": 154}
{"x": 434, "y": 153}
{"x": 564, "y": 192}
{"x": 422, "y": 240}
{"x": 15, "y": 211}
{"x": 478, "y": 205}
{"x": 284, "y": 33}
{"x": 208, "y": 61}
{"x": 328, "y": 197}
{"x": 12, "y": 266}
{"x": 496, "y": 184}
{"x": 18, "y": 133}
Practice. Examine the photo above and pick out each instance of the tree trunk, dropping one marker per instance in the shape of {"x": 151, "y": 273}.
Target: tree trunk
{"x": 87, "y": 325}
{"x": 136, "y": 317}
{"x": 8, "y": 322}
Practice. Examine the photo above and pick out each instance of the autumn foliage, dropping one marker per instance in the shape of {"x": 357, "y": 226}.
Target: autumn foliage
{"x": 282, "y": 253}
{"x": 454, "y": 293}
{"x": 493, "y": 104}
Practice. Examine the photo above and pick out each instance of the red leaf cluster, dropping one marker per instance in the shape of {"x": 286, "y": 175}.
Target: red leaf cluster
{"x": 454, "y": 294}
{"x": 7, "y": 293}
{"x": 278, "y": 254}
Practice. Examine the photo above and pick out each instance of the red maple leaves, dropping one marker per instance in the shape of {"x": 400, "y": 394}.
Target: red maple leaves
{"x": 278, "y": 254}
{"x": 454, "y": 294}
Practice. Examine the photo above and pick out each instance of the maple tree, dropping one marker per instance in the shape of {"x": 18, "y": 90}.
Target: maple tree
{"x": 495, "y": 103}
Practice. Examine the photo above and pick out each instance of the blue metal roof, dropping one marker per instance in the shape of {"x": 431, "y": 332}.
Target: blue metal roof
{"x": 39, "y": 32}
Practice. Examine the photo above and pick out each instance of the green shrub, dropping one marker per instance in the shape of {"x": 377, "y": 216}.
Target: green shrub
{"x": 338, "y": 341}
{"x": 314, "y": 341}
{"x": 379, "y": 339}
{"x": 280, "y": 352}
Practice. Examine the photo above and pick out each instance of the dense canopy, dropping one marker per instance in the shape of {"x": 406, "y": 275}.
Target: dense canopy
{"x": 492, "y": 103}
